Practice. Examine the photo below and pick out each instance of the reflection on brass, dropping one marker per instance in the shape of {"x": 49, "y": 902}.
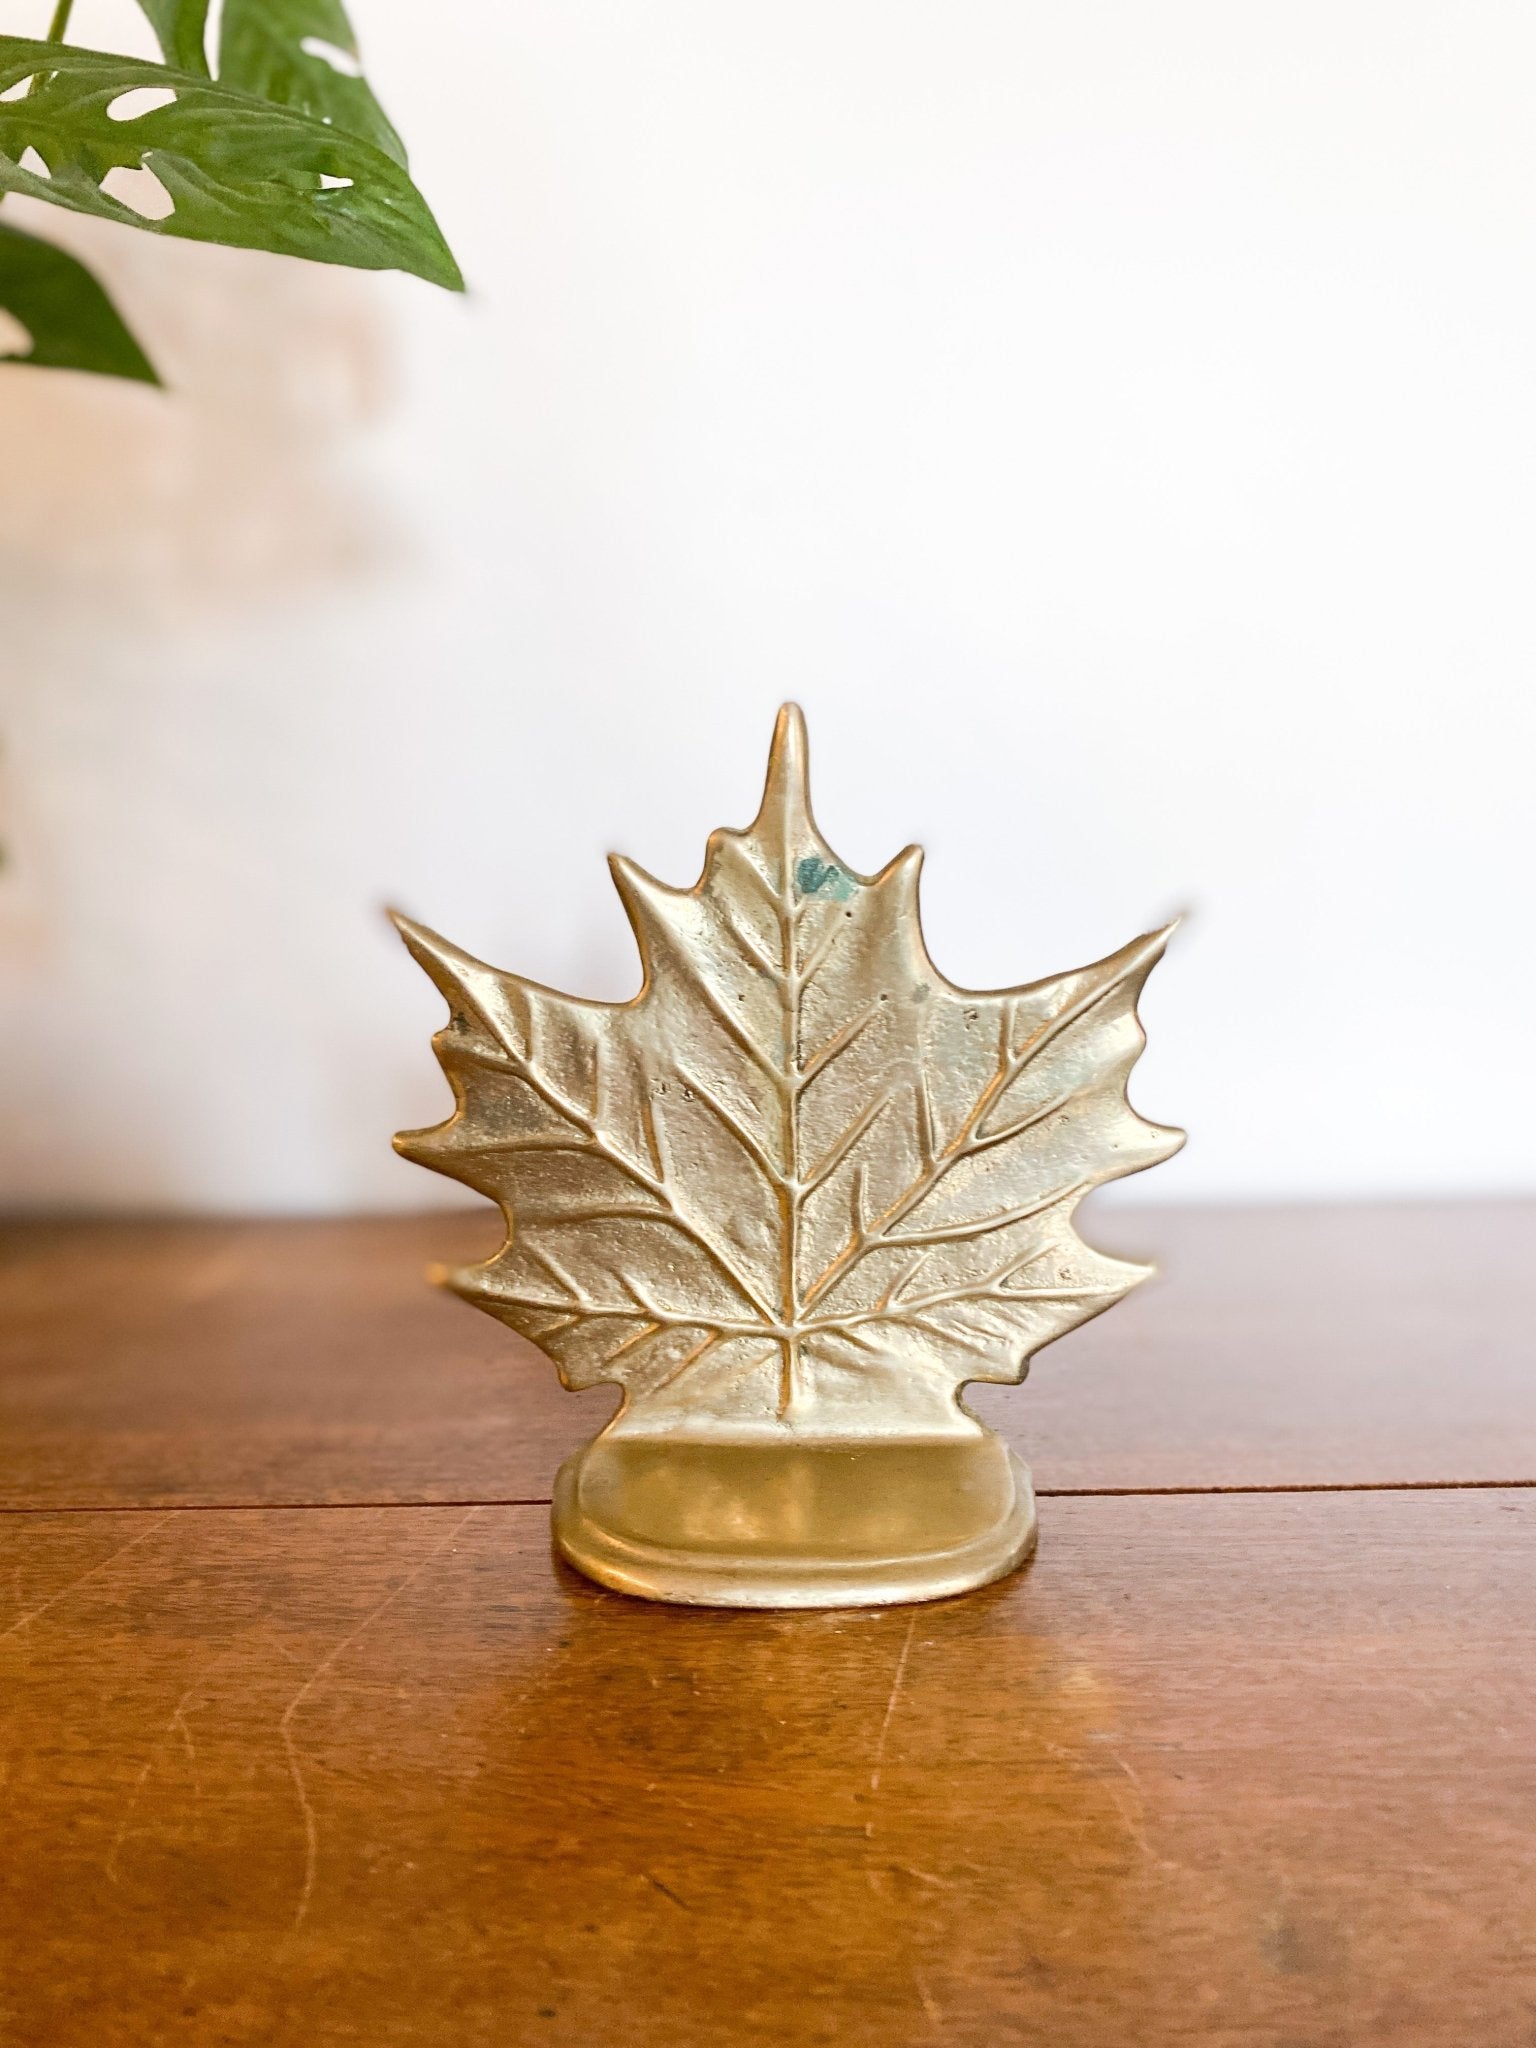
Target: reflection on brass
{"x": 791, "y": 1197}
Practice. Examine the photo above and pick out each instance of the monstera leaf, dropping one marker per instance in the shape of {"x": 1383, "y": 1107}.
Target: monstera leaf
{"x": 296, "y": 53}
{"x": 303, "y": 54}
{"x": 70, "y": 322}
{"x": 235, "y": 167}
{"x": 181, "y": 28}
{"x": 800, "y": 1179}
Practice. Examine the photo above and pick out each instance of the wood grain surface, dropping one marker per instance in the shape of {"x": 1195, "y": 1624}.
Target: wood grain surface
{"x": 1232, "y": 1770}
{"x": 149, "y": 1363}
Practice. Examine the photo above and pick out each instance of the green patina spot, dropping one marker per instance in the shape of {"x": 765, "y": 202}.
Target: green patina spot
{"x": 815, "y": 877}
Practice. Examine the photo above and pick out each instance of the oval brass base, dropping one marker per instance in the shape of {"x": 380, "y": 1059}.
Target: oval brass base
{"x": 794, "y": 1525}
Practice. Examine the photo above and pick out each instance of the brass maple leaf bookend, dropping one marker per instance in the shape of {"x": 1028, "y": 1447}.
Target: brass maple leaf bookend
{"x": 792, "y": 1196}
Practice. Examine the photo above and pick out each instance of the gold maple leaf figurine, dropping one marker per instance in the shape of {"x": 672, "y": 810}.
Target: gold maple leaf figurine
{"x": 792, "y": 1196}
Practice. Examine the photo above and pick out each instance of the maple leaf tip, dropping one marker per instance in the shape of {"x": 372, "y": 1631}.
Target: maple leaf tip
{"x": 786, "y": 805}
{"x": 634, "y": 883}
{"x": 645, "y": 903}
{"x": 447, "y": 965}
{"x": 414, "y": 935}
{"x": 402, "y": 922}
{"x": 789, "y": 756}
{"x": 419, "y": 938}
{"x": 1154, "y": 943}
{"x": 905, "y": 869}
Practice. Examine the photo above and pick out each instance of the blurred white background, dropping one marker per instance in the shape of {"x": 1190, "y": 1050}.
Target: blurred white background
{"x": 1115, "y": 424}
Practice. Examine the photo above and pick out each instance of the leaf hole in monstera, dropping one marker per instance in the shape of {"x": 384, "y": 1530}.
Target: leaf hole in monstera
{"x": 141, "y": 191}
{"x": 213, "y": 36}
{"x": 18, "y": 91}
{"x": 15, "y": 340}
{"x": 29, "y": 160}
{"x": 139, "y": 101}
{"x": 344, "y": 61}
{"x": 330, "y": 184}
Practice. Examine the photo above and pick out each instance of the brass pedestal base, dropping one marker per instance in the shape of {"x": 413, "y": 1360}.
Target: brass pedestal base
{"x": 713, "y": 1524}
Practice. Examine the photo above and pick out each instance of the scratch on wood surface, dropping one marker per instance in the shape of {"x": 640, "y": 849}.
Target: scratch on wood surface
{"x": 307, "y": 1812}
{"x": 1133, "y": 1824}
{"x": 929, "y": 2004}
{"x": 1131, "y": 1821}
{"x": 878, "y": 1759}
{"x": 24, "y": 1621}
{"x": 890, "y": 1705}
{"x": 178, "y": 1721}
{"x": 122, "y": 1834}
{"x": 666, "y": 1891}
{"x": 1124, "y": 1766}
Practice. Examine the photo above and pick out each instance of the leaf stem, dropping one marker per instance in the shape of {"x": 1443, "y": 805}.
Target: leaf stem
{"x": 56, "y": 32}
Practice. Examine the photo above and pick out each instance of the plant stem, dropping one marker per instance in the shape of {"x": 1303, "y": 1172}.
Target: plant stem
{"x": 61, "y": 12}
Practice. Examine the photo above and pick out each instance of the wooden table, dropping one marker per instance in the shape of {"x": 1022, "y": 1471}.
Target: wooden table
{"x": 307, "y": 1740}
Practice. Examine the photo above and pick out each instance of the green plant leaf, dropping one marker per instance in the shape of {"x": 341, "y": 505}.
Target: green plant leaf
{"x": 180, "y": 27}
{"x": 303, "y": 54}
{"x": 236, "y": 169}
{"x": 72, "y": 323}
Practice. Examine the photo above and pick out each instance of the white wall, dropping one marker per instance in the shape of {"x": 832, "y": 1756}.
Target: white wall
{"x": 1114, "y": 423}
